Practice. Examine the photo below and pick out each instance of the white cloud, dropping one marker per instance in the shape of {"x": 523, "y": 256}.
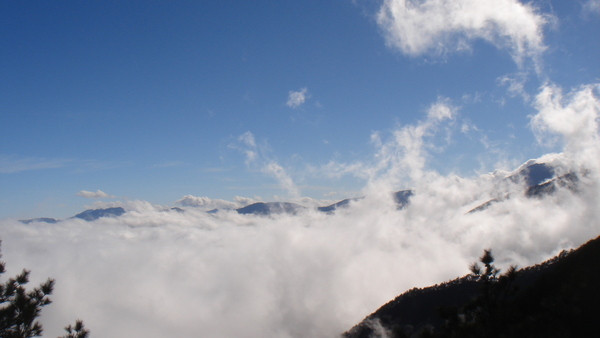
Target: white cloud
{"x": 206, "y": 203}
{"x": 285, "y": 181}
{"x": 94, "y": 195}
{"x": 573, "y": 118}
{"x": 246, "y": 200}
{"x": 401, "y": 159}
{"x": 249, "y": 147}
{"x": 592, "y": 6}
{"x": 248, "y": 139}
{"x": 418, "y": 27}
{"x": 515, "y": 84}
{"x": 257, "y": 157}
{"x": 296, "y": 99}
{"x": 441, "y": 110}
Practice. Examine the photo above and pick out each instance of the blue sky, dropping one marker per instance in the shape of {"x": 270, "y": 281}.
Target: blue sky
{"x": 269, "y": 99}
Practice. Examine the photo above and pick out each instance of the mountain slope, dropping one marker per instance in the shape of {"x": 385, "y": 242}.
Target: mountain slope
{"x": 94, "y": 214}
{"x": 558, "y": 298}
{"x": 88, "y": 215}
{"x": 270, "y": 208}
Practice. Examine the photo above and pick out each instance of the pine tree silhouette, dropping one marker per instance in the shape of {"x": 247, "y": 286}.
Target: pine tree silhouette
{"x": 20, "y": 308}
{"x": 77, "y": 331}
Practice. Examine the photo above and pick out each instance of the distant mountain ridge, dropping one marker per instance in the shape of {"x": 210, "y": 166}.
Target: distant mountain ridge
{"x": 40, "y": 219}
{"x": 270, "y": 208}
{"x": 94, "y": 214}
{"x": 259, "y": 208}
{"x": 87, "y": 215}
{"x": 538, "y": 178}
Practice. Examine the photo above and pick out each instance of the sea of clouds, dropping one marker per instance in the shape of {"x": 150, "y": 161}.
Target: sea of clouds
{"x": 158, "y": 272}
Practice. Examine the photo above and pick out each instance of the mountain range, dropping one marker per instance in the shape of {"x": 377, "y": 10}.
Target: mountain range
{"x": 87, "y": 215}
{"x": 539, "y": 180}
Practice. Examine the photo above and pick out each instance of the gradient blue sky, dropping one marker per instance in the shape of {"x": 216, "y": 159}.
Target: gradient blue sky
{"x": 155, "y": 100}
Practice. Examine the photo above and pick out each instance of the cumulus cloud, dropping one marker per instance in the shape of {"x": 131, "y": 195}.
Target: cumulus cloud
{"x": 417, "y": 27}
{"x": 94, "y": 194}
{"x": 206, "y": 203}
{"x": 570, "y": 118}
{"x": 297, "y": 98}
{"x": 246, "y": 200}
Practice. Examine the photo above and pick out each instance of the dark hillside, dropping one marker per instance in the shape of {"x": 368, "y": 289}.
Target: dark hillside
{"x": 417, "y": 307}
{"x": 558, "y": 298}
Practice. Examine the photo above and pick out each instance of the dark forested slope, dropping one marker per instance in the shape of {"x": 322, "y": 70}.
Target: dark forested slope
{"x": 558, "y": 298}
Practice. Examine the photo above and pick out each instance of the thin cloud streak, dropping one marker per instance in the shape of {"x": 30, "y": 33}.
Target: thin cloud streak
{"x": 256, "y": 157}
{"x": 98, "y": 194}
{"x": 11, "y": 164}
{"x": 206, "y": 203}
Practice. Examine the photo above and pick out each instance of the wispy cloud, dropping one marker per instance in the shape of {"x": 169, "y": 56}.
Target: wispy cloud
{"x": 403, "y": 156}
{"x": 13, "y": 164}
{"x": 256, "y": 157}
{"x": 91, "y": 165}
{"x": 98, "y": 194}
{"x": 297, "y": 98}
{"x": 443, "y": 26}
{"x": 591, "y": 6}
{"x": 275, "y": 170}
{"x": 248, "y": 147}
{"x": 515, "y": 85}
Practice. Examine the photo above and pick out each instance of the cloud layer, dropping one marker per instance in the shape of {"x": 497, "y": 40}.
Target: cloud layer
{"x": 156, "y": 272}
{"x": 442, "y": 26}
